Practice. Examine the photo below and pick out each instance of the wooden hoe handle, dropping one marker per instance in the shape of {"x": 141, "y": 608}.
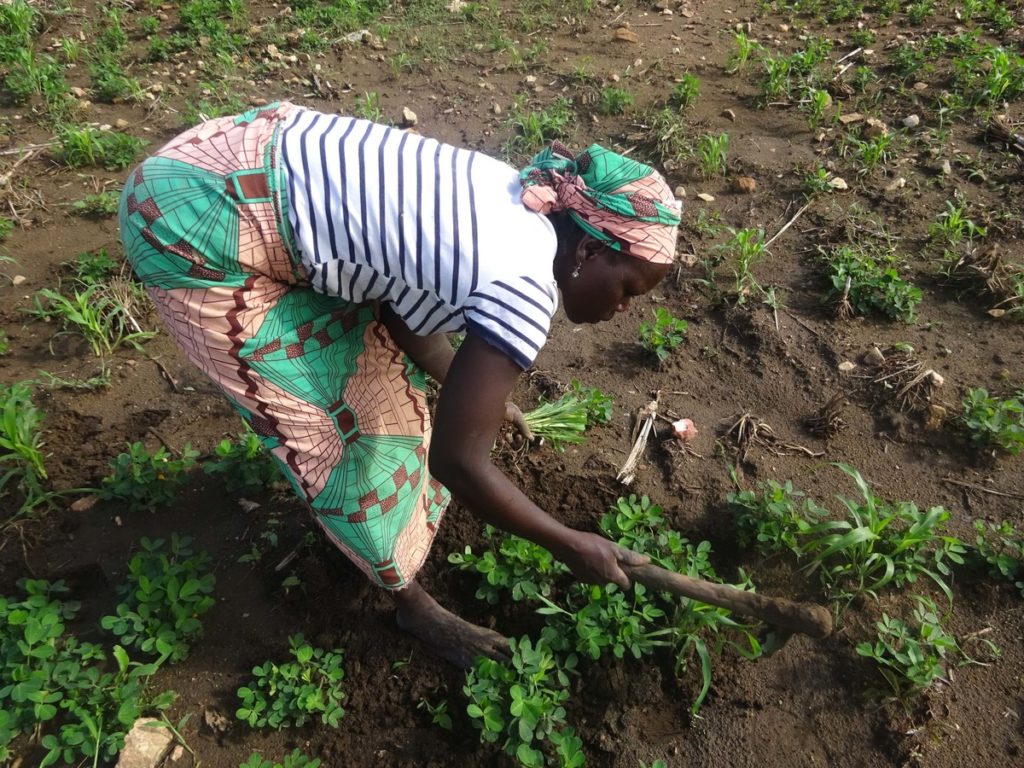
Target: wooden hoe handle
{"x": 806, "y": 618}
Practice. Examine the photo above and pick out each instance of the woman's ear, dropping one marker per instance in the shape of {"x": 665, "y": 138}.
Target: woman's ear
{"x": 588, "y": 248}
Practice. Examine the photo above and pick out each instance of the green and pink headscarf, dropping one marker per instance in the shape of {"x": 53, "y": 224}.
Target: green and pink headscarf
{"x": 623, "y": 203}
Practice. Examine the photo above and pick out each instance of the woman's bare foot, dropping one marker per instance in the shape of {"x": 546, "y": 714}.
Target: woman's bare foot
{"x": 450, "y": 637}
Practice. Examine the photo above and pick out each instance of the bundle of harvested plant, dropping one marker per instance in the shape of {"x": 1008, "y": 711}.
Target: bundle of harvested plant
{"x": 560, "y": 422}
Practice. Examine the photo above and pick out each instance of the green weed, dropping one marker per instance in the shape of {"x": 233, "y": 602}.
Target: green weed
{"x": 168, "y": 589}
{"x": 713, "y": 155}
{"x": 95, "y": 314}
{"x": 911, "y": 657}
{"x": 745, "y": 48}
{"x": 880, "y": 544}
{"x": 147, "y": 480}
{"x": 614, "y": 101}
{"x": 533, "y": 129}
{"x": 89, "y": 146}
{"x": 561, "y": 422}
{"x": 295, "y": 692}
{"x": 99, "y": 206}
{"x": 685, "y": 92}
{"x": 22, "y": 467}
{"x": 865, "y": 280}
{"x": 369, "y": 107}
{"x": 953, "y": 225}
{"x": 744, "y": 248}
{"x": 438, "y": 713}
{"x": 93, "y": 267}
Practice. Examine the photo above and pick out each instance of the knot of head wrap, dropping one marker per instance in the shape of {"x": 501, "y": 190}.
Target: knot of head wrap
{"x": 622, "y": 202}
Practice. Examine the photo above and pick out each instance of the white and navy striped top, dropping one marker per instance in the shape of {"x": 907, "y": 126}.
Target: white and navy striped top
{"x": 438, "y": 232}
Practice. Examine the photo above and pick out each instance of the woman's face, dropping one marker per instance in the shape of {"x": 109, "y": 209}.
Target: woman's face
{"x": 607, "y": 282}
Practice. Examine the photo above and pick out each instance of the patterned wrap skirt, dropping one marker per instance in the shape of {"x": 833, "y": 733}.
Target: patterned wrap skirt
{"x": 204, "y": 224}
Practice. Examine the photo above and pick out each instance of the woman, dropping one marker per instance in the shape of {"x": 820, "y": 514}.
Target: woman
{"x": 313, "y": 264}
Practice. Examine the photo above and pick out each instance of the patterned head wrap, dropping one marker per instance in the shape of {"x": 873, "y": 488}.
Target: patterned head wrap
{"x": 621, "y": 202}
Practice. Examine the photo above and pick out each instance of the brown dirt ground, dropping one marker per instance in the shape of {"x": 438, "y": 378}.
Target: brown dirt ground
{"x": 807, "y": 705}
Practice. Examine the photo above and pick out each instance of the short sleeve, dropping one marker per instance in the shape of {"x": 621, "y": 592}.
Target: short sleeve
{"x": 513, "y": 315}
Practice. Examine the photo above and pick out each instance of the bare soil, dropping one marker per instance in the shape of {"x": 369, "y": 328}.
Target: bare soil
{"x": 810, "y": 704}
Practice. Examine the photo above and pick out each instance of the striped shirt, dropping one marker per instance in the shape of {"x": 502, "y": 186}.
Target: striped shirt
{"x": 438, "y": 232}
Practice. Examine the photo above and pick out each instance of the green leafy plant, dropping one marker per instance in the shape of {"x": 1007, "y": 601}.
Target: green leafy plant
{"x": 662, "y": 336}
{"x": 93, "y": 267}
{"x": 168, "y": 589}
{"x": 294, "y": 692}
{"x": 817, "y": 102}
{"x": 865, "y": 279}
{"x": 295, "y": 759}
{"x": 147, "y": 480}
{"x": 911, "y": 657}
{"x": 57, "y": 689}
{"x": 244, "y": 463}
{"x": 1001, "y": 549}
{"x": 776, "y": 517}
{"x": 685, "y": 92}
{"x": 99, "y": 206}
{"x": 614, "y": 101}
{"x": 521, "y": 703}
{"x": 439, "y": 715}
{"x": 696, "y": 631}
{"x": 512, "y": 566}
{"x": 993, "y": 423}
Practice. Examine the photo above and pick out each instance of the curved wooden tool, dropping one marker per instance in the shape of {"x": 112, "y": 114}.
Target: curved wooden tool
{"x": 807, "y": 618}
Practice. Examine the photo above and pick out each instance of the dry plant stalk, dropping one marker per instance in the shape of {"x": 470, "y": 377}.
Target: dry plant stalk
{"x": 844, "y": 309}
{"x": 645, "y": 418}
{"x": 828, "y": 421}
{"x": 999, "y": 129}
{"x": 1003, "y": 280}
{"x": 904, "y": 381}
{"x": 748, "y": 430}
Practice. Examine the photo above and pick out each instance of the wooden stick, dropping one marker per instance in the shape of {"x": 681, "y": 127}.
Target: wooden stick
{"x": 982, "y": 489}
{"x": 788, "y": 224}
{"x": 28, "y": 148}
{"x": 807, "y": 618}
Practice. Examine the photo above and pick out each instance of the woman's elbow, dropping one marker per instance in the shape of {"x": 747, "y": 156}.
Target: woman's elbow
{"x": 450, "y": 467}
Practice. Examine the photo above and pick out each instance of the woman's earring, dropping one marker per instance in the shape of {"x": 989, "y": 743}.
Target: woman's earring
{"x": 576, "y": 272}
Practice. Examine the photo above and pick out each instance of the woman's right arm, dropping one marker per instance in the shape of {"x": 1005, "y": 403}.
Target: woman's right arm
{"x": 470, "y": 410}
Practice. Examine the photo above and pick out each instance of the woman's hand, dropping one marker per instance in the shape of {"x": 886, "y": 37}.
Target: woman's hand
{"x": 515, "y": 417}
{"x": 594, "y": 559}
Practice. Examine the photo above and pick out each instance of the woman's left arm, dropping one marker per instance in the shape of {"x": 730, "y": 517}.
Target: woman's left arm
{"x": 433, "y": 353}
